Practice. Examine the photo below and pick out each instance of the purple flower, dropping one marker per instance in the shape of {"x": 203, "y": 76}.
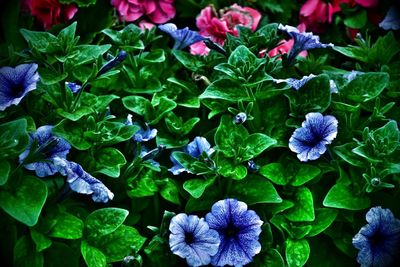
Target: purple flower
{"x": 73, "y": 87}
{"x": 391, "y": 20}
{"x": 378, "y": 242}
{"x": 238, "y": 230}
{"x": 352, "y": 75}
{"x": 302, "y": 41}
{"x": 296, "y": 83}
{"x": 43, "y": 147}
{"x": 16, "y": 83}
{"x": 113, "y": 63}
{"x": 149, "y": 156}
{"x": 82, "y": 182}
{"x": 183, "y": 37}
{"x": 192, "y": 239}
{"x": 240, "y": 118}
{"x": 142, "y": 135}
{"x": 194, "y": 149}
{"x": 309, "y": 141}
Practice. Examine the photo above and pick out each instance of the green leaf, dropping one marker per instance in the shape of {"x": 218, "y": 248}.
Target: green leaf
{"x": 196, "y": 187}
{"x": 342, "y": 196}
{"x": 73, "y": 133}
{"x": 41, "y": 241}
{"x": 227, "y": 168}
{"x": 304, "y": 174}
{"x": 227, "y": 90}
{"x": 389, "y": 136}
{"x": 92, "y": 256}
{"x": 165, "y": 105}
{"x": 155, "y": 56}
{"x": 357, "y": 20}
{"x": 229, "y": 136}
{"x": 275, "y": 172}
{"x": 256, "y": 144}
{"x": 139, "y": 105}
{"x": 188, "y": 61}
{"x": 24, "y": 199}
{"x": 345, "y": 152}
{"x": 273, "y": 259}
{"x": 67, "y": 226}
{"x": 13, "y": 138}
{"x": 4, "y": 171}
{"x": 143, "y": 185}
{"x": 43, "y": 42}
{"x": 254, "y": 190}
{"x": 170, "y": 191}
{"x": 105, "y": 221}
{"x": 25, "y": 254}
{"x": 314, "y": 96}
{"x": 366, "y": 86}
{"x": 49, "y": 77}
{"x": 303, "y": 211}
{"x": 87, "y": 54}
{"x": 80, "y": 3}
{"x": 120, "y": 243}
{"x": 109, "y": 161}
{"x": 323, "y": 219}
{"x": 297, "y": 252}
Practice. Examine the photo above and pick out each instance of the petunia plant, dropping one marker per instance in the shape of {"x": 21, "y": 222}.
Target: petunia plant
{"x": 209, "y": 133}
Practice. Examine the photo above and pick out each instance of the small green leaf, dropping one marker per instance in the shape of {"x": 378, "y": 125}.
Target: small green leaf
{"x": 92, "y": 256}
{"x": 67, "y": 226}
{"x": 24, "y": 199}
{"x": 366, "y": 86}
{"x": 120, "y": 243}
{"x": 109, "y": 161}
{"x": 341, "y": 196}
{"x": 227, "y": 90}
{"x": 196, "y": 187}
{"x": 304, "y": 174}
{"x": 275, "y": 172}
{"x": 254, "y": 190}
{"x": 42, "y": 242}
{"x": 297, "y": 252}
{"x": 4, "y": 171}
{"x": 25, "y": 254}
{"x": 105, "y": 221}
{"x": 170, "y": 191}
{"x": 303, "y": 211}
{"x": 256, "y": 144}
{"x": 13, "y": 138}
{"x": 323, "y": 219}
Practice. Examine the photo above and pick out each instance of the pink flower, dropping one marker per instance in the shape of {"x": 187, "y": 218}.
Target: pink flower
{"x": 158, "y": 11}
{"x": 284, "y": 46}
{"x": 145, "y": 25}
{"x": 199, "y": 48}
{"x": 51, "y": 12}
{"x": 216, "y": 26}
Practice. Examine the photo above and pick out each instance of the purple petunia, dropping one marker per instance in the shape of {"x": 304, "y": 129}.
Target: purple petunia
{"x": 43, "y": 147}
{"x": 378, "y": 242}
{"x": 296, "y": 83}
{"x": 82, "y": 182}
{"x": 143, "y": 135}
{"x": 16, "y": 83}
{"x": 309, "y": 141}
{"x": 240, "y": 118}
{"x": 238, "y": 229}
{"x": 183, "y": 37}
{"x": 302, "y": 41}
{"x": 194, "y": 149}
{"x": 113, "y": 62}
{"x": 391, "y": 20}
{"x": 74, "y": 87}
{"x": 192, "y": 239}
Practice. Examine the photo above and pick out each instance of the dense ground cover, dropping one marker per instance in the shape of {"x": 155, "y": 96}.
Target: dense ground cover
{"x": 185, "y": 133}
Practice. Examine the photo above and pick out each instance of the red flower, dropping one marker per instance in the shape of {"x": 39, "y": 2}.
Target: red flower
{"x": 158, "y": 11}
{"x": 51, "y": 12}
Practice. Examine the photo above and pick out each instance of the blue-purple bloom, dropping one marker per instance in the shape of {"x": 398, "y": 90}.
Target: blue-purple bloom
{"x": 44, "y": 147}
{"x": 309, "y": 141}
{"x": 82, "y": 182}
{"x": 194, "y": 149}
{"x": 352, "y": 75}
{"x": 74, "y": 87}
{"x": 391, "y": 20}
{"x": 113, "y": 62}
{"x": 296, "y": 83}
{"x": 142, "y": 135}
{"x": 238, "y": 229}
{"x": 183, "y": 37}
{"x": 240, "y": 118}
{"x": 302, "y": 41}
{"x": 149, "y": 156}
{"x": 378, "y": 242}
{"x": 16, "y": 83}
{"x": 192, "y": 239}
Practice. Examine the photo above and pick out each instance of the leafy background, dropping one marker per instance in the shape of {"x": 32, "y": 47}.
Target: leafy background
{"x": 311, "y": 210}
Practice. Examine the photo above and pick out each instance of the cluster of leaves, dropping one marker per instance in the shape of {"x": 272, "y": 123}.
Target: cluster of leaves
{"x": 310, "y": 210}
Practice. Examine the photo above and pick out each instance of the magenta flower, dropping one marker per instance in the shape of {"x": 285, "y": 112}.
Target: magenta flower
{"x": 158, "y": 11}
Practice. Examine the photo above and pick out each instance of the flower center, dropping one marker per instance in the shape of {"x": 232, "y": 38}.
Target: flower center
{"x": 17, "y": 90}
{"x": 377, "y": 239}
{"x": 189, "y": 238}
{"x": 232, "y": 231}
